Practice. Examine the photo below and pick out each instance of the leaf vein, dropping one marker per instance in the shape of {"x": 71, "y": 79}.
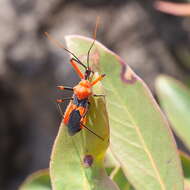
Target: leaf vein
{"x": 142, "y": 141}
{"x": 120, "y": 122}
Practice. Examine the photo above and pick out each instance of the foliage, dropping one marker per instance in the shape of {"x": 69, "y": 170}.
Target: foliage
{"x": 175, "y": 100}
{"x": 37, "y": 181}
{"x": 143, "y": 151}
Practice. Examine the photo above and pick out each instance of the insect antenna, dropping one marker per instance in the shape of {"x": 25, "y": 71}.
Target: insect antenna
{"x": 94, "y": 37}
{"x": 58, "y": 44}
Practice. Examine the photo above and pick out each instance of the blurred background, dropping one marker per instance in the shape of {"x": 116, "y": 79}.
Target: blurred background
{"x": 151, "y": 42}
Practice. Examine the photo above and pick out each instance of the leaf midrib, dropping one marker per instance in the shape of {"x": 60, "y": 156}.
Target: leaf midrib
{"x": 141, "y": 140}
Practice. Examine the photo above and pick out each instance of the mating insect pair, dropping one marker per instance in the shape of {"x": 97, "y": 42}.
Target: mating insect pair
{"x": 76, "y": 111}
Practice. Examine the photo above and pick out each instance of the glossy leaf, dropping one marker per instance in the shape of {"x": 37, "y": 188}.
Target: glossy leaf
{"x": 77, "y": 161}
{"x": 175, "y": 100}
{"x": 37, "y": 181}
{"x": 140, "y": 136}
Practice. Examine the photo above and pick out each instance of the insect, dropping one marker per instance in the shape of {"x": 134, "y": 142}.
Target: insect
{"x": 75, "y": 114}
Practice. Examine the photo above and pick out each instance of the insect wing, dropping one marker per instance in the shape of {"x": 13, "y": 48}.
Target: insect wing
{"x": 74, "y": 122}
{"x": 68, "y": 111}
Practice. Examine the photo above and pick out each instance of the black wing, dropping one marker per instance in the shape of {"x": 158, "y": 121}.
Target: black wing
{"x": 74, "y": 122}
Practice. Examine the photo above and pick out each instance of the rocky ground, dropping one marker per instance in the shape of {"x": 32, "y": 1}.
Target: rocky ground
{"x": 31, "y": 67}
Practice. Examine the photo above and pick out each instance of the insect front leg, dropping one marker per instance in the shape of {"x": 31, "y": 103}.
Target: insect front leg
{"x": 63, "y": 99}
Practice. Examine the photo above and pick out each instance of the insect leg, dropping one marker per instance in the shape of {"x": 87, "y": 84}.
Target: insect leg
{"x": 87, "y": 107}
{"x": 91, "y": 131}
{"x": 97, "y": 79}
{"x": 59, "y": 109}
{"x": 65, "y": 88}
{"x": 84, "y": 115}
{"x": 63, "y": 99}
{"x": 79, "y": 62}
{"x": 98, "y": 95}
{"x": 73, "y": 63}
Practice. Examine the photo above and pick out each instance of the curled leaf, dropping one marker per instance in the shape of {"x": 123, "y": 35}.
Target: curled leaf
{"x": 77, "y": 161}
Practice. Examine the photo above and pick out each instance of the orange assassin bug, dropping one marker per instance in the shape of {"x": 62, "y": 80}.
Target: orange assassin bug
{"x": 75, "y": 115}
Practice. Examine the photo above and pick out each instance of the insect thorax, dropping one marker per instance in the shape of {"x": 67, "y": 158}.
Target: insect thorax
{"x": 83, "y": 89}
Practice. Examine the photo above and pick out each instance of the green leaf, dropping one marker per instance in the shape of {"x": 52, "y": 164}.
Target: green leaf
{"x": 110, "y": 162}
{"x": 140, "y": 136}
{"x": 37, "y": 181}
{"x": 185, "y": 160}
{"x": 115, "y": 172}
{"x": 175, "y": 100}
{"x": 77, "y": 161}
{"x": 119, "y": 177}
